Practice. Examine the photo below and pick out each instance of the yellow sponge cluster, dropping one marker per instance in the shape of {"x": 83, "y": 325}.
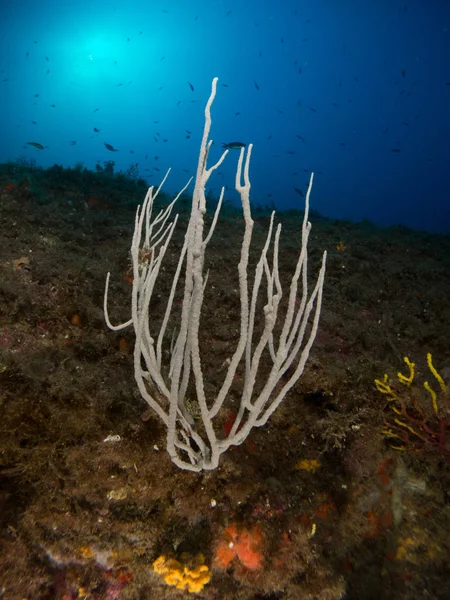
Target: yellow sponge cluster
{"x": 190, "y": 573}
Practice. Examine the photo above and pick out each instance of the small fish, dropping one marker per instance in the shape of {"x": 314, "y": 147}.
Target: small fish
{"x": 53, "y": 105}
{"x": 188, "y": 132}
{"x": 300, "y": 138}
{"x": 191, "y": 86}
{"x": 96, "y": 130}
{"x": 27, "y": 54}
{"x": 256, "y": 85}
{"x": 95, "y": 109}
{"x": 396, "y": 150}
{"x": 237, "y": 114}
{"x": 73, "y": 142}
{"x": 234, "y": 145}
{"x": 36, "y": 95}
{"x": 110, "y": 148}
{"x": 299, "y": 192}
{"x": 46, "y": 58}
{"x": 36, "y": 145}
{"x": 131, "y": 151}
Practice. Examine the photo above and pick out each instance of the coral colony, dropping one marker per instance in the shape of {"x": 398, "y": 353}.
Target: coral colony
{"x": 192, "y": 447}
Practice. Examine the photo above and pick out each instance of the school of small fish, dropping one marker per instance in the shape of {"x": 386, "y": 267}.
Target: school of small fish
{"x": 157, "y": 137}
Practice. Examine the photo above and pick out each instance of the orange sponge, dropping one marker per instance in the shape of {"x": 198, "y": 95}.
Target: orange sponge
{"x": 243, "y": 543}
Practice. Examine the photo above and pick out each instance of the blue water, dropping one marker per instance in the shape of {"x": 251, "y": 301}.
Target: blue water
{"x": 358, "y": 92}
